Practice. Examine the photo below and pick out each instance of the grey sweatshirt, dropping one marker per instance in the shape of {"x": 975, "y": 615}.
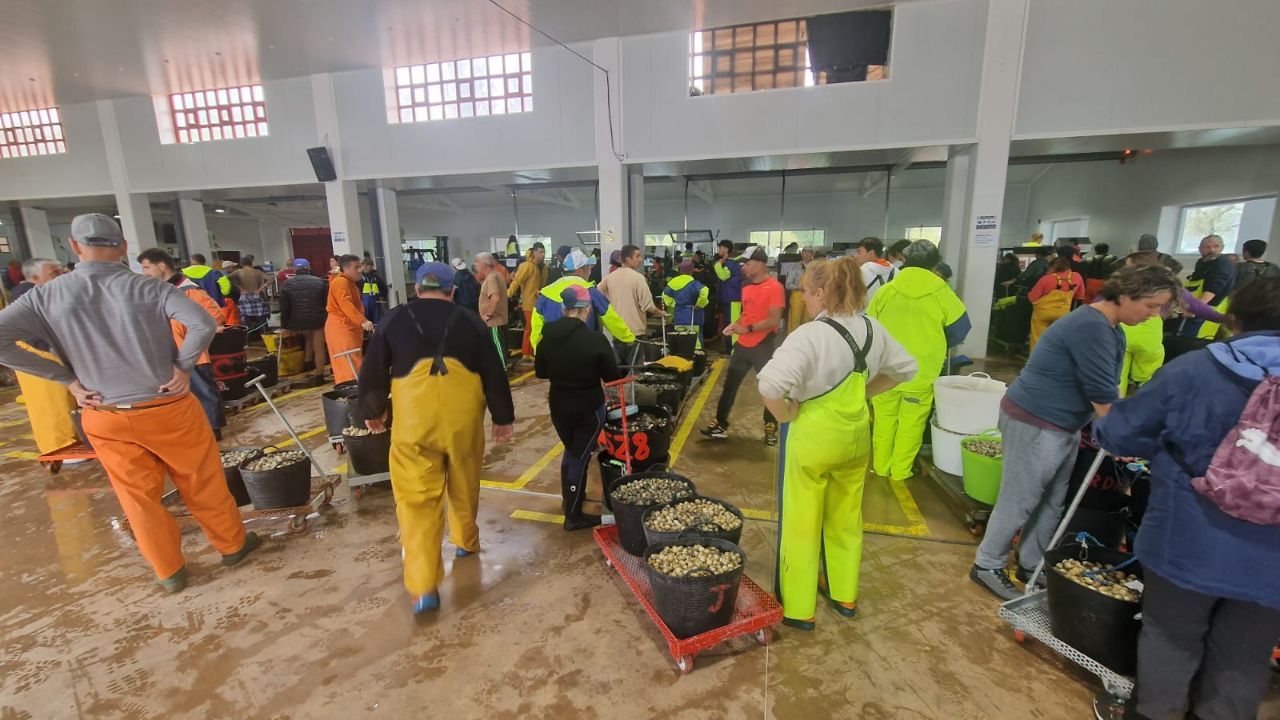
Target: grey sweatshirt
{"x": 111, "y": 327}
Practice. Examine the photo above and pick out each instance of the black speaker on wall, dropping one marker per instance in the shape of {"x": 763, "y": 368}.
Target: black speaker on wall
{"x": 843, "y": 44}
{"x": 322, "y": 163}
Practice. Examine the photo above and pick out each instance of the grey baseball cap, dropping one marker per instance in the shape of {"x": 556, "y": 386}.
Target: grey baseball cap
{"x": 97, "y": 230}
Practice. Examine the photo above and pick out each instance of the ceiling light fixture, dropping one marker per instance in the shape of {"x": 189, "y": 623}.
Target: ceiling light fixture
{"x": 220, "y": 210}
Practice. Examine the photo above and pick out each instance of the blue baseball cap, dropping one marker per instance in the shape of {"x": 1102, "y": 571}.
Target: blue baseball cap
{"x": 301, "y": 262}
{"x": 435, "y": 276}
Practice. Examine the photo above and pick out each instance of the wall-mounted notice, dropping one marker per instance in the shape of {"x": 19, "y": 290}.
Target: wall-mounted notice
{"x": 986, "y": 222}
{"x": 984, "y": 239}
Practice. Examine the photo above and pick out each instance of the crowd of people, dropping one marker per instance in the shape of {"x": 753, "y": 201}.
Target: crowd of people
{"x": 845, "y": 349}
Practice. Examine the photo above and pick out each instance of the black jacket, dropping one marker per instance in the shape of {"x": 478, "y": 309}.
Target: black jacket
{"x": 576, "y": 359}
{"x": 411, "y": 333}
{"x": 302, "y": 302}
{"x": 1219, "y": 276}
{"x": 467, "y": 290}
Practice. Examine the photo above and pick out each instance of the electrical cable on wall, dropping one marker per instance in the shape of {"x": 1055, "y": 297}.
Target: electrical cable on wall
{"x": 608, "y": 86}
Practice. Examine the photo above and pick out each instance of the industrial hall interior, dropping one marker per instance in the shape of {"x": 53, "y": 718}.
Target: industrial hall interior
{"x": 695, "y": 359}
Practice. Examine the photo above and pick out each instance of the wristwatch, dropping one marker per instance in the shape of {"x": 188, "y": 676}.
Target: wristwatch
{"x": 751, "y": 328}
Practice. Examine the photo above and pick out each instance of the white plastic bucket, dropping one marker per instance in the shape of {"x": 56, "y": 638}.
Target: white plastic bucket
{"x": 946, "y": 449}
{"x": 968, "y": 404}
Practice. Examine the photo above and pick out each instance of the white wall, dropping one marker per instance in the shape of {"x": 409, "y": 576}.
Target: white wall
{"x": 1125, "y": 201}
{"x": 930, "y": 99}
{"x": 81, "y": 170}
{"x": 1105, "y": 66}
{"x": 558, "y": 133}
{"x": 278, "y": 159}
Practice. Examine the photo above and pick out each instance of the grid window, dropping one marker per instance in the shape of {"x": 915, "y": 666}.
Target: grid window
{"x": 4, "y": 245}
{"x": 473, "y": 87}
{"x": 760, "y": 56}
{"x": 219, "y": 114}
{"x": 27, "y": 133}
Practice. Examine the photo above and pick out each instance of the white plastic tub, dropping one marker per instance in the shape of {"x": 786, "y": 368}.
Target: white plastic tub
{"x": 968, "y": 404}
{"x": 946, "y": 449}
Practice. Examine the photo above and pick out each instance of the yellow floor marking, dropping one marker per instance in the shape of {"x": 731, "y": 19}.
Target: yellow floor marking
{"x": 11, "y": 423}
{"x": 918, "y": 526}
{"x": 691, "y": 418}
{"x": 523, "y": 377}
{"x": 23, "y": 455}
{"x": 539, "y": 516}
{"x": 302, "y": 436}
{"x": 529, "y": 474}
{"x": 340, "y": 469}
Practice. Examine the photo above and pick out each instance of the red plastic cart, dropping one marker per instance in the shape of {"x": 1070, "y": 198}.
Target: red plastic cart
{"x": 756, "y": 611}
{"x": 75, "y": 451}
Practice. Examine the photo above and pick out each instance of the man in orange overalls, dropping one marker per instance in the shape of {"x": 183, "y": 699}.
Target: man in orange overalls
{"x": 110, "y": 326}
{"x": 344, "y": 329}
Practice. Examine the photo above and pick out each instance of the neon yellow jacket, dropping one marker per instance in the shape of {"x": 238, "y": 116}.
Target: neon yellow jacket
{"x": 923, "y": 313}
{"x": 550, "y": 307}
{"x": 213, "y": 281}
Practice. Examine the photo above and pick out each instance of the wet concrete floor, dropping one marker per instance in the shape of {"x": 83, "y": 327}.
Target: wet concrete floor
{"x": 317, "y": 624}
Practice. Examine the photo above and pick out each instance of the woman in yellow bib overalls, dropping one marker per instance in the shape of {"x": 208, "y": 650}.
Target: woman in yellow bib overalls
{"x": 1051, "y": 297}
{"x": 818, "y": 383}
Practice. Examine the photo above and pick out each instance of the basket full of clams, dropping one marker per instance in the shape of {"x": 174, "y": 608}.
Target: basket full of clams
{"x": 694, "y": 582}
{"x": 693, "y": 517}
{"x": 1095, "y": 597}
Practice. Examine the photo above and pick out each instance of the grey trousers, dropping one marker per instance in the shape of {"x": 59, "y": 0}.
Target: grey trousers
{"x": 1033, "y": 488}
{"x": 1207, "y": 652}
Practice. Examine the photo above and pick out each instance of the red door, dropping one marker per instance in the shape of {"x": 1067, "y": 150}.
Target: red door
{"x": 314, "y": 244}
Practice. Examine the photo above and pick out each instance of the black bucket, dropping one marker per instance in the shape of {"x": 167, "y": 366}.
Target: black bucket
{"x": 683, "y": 343}
{"x": 369, "y": 454}
{"x": 229, "y": 364}
{"x": 611, "y": 469}
{"x": 699, "y": 362}
{"x": 269, "y": 366}
{"x": 684, "y": 378}
{"x": 667, "y": 393}
{"x": 337, "y": 407}
{"x": 1101, "y": 627}
{"x": 77, "y": 421}
{"x": 643, "y": 446}
{"x": 629, "y": 518}
{"x": 694, "y": 531}
{"x": 235, "y": 481}
{"x": 288, "y": 486}
{"x": 693, "y": 605}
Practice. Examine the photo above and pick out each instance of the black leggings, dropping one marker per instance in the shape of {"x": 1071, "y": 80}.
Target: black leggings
{"x": 579, "y": 432}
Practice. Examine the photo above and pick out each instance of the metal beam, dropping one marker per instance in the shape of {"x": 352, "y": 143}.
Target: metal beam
{"x": 701, "y": 189}
{"x": 555, "y": 196}
{"x": 906, "y": 159}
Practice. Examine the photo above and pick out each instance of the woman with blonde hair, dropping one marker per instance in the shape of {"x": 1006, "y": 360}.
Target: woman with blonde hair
{"x": 818, "y": 384}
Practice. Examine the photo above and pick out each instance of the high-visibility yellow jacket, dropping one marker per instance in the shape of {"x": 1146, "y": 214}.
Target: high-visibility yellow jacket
{"x": 923, "y": 313}
{"x": 529, "y": 278}
{"x": 550, "y": 306}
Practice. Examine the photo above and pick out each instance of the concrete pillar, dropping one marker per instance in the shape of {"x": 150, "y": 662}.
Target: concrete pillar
{"x": 387, "y": 207}
{"x": 40, "y": 242}
{"x": 344, "y": 217}
{"x": 635, "y": 205}
{"x": 614, "y": 206}
{"x": 997, "y": 101}
{"x": 136, "y": 222}
{"x": 195, "y": 230}
{"x": 955, "y": 204}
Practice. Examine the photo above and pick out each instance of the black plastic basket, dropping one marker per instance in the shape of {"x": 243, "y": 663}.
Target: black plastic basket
{"x": 645, "y": 446}
{"x": 693, "y": 605}
{"x": 612, "y": 468}
{"x": 629, "y": 518}
{"x": 235, "y": 481}
{"x": 337, "y": 407}
{"x": 657, "y": 536}
{"x": 369, "y": 454}
{"x": 682, "y": 343}
{"x": 288, "y": 486}
{"x": 1102, "y": 627}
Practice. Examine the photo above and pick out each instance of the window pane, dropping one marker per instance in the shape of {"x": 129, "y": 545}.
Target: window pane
{"x": 497, "y": 107}
{"x": 464, "y": 90}
{"x": 419, "y": 95}
{"x": 495, "y": 65}
{"x": 176, "y": 101}
{"x": 183, "y": 137}
{"x": 437, "y": 112}
{"x": 482, "y": 108}
{"x": 433, "y": 73}
{"x": 236, "y": 115}
{"x": 450, "y": 91}
{"x": 405, "y": 98}
{"x": 406, "y": 115}
{"x": 482, "y": 88}
{"x": 262, "y": 129}
{"x": 217, "y": 133}
{"x": 234, "y": 96}
{"x": 251, "y": 130}
{"x": 464, "y": 69}
{"x": 419, "y": 114}
{"x": 513, "y": 105}
{"x": 527, "y": 81}
{"x": 467, "y": 109}
{"x": 402, "y": 76}
{"x": 210, "y": 97}
{"x": 513, "y": 86}
{"x": 479, "y": 67}
{"x": 205, "y": 134}
{"x": 451, "y": 111}
{"x": 528, "y": 104}
{"x": 199, "y": 100}
{"x": 204, "y": 117}
{"x": 262, "y": 112}
{"x": 526, "y": 61}
{"x": 495, "y": 87}
{"x": 446, "y": 71}
{"x": 257, "y": 93}
{"x": 433, "y": 93}
{"x": 419, "y": 74}
{"x": 512, "y": 64}
{"x": 180, "y": 120}
{"x": 240, "y": 131}
{"x": 222, "y": 97}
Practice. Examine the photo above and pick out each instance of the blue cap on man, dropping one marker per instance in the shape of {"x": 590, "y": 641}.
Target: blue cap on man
{"x": 435, "y": 276}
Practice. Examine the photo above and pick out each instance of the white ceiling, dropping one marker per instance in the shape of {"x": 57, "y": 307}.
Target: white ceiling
{"x": 69, "y": 51}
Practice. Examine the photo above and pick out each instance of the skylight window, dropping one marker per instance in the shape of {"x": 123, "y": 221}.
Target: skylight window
{"x": 472, "y": 87}
{"x": 219, "y": 114}
{"x": 28, "y": 133}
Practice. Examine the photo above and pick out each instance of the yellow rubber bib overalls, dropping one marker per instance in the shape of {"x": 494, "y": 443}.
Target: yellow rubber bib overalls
{"x": 1052, "y": 305}
{"x": 435, "y": 464}
{"x": 823, "y": 466}
{"x": 49, "y": 405}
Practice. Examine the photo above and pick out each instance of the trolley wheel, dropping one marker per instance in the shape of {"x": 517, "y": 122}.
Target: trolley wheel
{"x": 1019, "y": 636}
{"x": 764, "y": 636}
{"x": 298, "y": 523}
{"x": 53, "y": 466}
{"x": 685, "y": 663}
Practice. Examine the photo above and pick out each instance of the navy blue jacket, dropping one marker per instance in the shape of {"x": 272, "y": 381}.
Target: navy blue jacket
{"x": 1177, "y": 422}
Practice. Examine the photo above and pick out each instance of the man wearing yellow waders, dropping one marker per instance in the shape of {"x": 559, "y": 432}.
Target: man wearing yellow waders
{"x": 796, "y": 313}
{"x": 1052, "y": 295}
{"x": 685, "y": 298}
{"x": 48, "y": 403}
{"x": 920, "y": 311}
{"x": 436, "y": 361}
{"x": 817, "y": 383}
